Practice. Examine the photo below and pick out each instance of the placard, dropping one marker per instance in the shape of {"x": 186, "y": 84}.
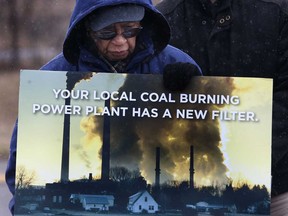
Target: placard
{"x": 118, "y": 144}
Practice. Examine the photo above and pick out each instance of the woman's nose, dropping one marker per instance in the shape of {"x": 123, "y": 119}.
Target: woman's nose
{"x": 119, "y": 38}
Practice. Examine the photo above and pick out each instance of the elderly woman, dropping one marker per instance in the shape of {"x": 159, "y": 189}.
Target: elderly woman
{"x": 118, "y": 37}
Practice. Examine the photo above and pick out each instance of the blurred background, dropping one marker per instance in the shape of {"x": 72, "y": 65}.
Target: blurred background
{"x": 32, "y": 32}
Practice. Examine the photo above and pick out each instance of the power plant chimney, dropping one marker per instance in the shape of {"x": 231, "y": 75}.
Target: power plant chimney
{"x": 70, "y": 83}
{"x": 90, "y": 177}
{"x": 157, "y": 169}
{"x": 72, "y": 79}
{"x": 105, "y": 169}
{"x": 65, "y": 146}
{"x": 191, "y": 167}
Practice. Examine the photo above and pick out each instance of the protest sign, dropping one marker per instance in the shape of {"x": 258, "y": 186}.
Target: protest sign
{"x": 121, "y": 143}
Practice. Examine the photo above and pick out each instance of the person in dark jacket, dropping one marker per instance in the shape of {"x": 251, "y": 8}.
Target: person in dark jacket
{"x": 245, "y": 39}
{"x": 122, "y": 36}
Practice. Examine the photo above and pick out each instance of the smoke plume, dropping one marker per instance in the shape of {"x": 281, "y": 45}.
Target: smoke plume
{"x": 133, "y": 140}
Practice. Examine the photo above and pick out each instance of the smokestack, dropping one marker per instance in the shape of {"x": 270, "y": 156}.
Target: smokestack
{"x": 65, "y": 146}
{"x": 72, "y": 79}
{"x": 70, "y": 83}
{"x": 106, "y": 146}
{"x": 90, "y": 177}
{"x": 191, "y": 167}
{"x": 157, "y": 169}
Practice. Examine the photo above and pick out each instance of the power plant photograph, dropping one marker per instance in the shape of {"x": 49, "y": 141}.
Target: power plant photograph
{"x": 117, "y": 144}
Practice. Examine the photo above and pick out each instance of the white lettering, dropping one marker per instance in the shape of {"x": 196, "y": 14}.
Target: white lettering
{"x": 56, "y": 109}
{"x": 233, "y": 116}
{"x": 73, "y": 94}
{"x": 191, "y": 114}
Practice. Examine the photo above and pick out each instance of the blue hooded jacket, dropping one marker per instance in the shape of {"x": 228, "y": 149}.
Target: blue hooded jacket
{"x": 154, "y": 37}
{"x": 155, "y": 55}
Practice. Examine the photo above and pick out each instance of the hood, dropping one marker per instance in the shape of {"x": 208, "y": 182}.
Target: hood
{"x": 157, "y": 25}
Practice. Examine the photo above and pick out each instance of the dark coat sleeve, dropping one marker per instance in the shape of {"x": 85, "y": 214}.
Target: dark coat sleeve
{"x": 280, "y": 115}
{"x": 11, "y": 167}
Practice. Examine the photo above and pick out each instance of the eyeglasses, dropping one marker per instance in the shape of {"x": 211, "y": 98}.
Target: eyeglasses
{"x": 105, "y": 34}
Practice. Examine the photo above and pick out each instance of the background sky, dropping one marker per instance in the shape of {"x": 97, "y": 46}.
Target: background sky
{"x": 223, "y": 149}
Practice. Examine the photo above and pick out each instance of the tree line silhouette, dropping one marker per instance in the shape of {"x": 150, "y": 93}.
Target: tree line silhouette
{"x": 171, "y": 195}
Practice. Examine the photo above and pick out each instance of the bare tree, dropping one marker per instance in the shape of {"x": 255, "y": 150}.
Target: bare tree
{"x": 24, "y": 178}
{"x": 120, "y": 174}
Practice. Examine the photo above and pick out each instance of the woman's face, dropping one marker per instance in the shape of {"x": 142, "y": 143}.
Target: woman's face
{"x": 117, "y": 41}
